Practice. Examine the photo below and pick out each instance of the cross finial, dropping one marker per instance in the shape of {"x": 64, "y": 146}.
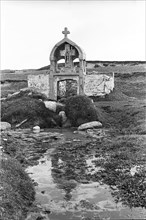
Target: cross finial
{"x": 65, "y": 32}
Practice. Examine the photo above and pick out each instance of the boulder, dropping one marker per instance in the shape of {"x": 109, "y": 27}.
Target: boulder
{"x": 92, "y": 124}
{"x": 5, "y": 125}
{"x": 51, "y": 105}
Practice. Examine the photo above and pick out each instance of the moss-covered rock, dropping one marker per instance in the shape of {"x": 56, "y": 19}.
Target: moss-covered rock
{"x": 80, "y": 109}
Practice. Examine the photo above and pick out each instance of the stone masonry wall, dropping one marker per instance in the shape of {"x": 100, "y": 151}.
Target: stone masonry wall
{"x": 39, "y": 82}
{"x": 94, "y": 85}
{"x": 98, "y": 85}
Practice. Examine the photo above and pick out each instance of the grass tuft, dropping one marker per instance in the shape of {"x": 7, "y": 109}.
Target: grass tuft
{"x": 16, "y": 190}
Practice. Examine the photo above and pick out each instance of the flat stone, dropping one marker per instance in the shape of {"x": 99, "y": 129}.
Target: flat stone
{"x": 5, "y": 125}
{"x": 92, "y": 124}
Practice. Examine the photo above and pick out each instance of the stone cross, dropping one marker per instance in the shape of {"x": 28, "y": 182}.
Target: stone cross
{"x": 68, "y": 53}
{"x": 68, "y": 50}
{"x": 65, "y": 32}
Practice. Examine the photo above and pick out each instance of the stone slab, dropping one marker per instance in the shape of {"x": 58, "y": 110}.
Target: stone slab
{"x": 88, "y": 125}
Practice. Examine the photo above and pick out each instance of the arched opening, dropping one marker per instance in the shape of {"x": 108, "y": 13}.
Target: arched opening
{"x": 60, "y": 64}
{"x": 61, "y": 61}
{"x": 66, "y": 88}
{"x": 76, "y": 62}
{"x": 67, "y": 70}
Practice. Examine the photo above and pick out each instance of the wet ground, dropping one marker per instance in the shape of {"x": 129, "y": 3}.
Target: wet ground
{"x": 94, "y": 178}
{"x": 103, "y": 177}
{"x": 97, "y": 174}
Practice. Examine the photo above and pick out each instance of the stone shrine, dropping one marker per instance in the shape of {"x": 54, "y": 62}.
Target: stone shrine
{"x": 70, "y": 77}
{"x": 67, "y": 75}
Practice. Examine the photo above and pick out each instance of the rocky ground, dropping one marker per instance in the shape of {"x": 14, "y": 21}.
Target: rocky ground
{"x": 64, "y": 164}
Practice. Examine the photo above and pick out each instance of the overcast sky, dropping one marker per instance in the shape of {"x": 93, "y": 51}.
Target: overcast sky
{"x": 106, "y": 30}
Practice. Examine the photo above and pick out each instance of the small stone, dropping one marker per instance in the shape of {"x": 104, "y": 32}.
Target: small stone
{"x": 92, "y": 124}
{"x": 5, "y": 125}
{"x": 5, "y": 139}
{"x": 36, "y": 129}
{"x": 63, "y": 116}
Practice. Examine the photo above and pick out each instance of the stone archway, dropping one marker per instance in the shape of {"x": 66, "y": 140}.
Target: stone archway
{"x": 67, "y": 88}
{"x": 68, "y": 51}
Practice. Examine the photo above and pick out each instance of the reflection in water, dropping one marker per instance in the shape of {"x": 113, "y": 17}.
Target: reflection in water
{"x": 66, "y": 170}
{"x": 104, "y": 177}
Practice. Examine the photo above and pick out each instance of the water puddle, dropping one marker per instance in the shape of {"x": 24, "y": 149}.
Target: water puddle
{"x": 67, "y": 198}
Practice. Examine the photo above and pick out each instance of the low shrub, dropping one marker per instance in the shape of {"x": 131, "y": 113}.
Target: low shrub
{"x": 80, "y": 109}
{"x": 17, "y": 110}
